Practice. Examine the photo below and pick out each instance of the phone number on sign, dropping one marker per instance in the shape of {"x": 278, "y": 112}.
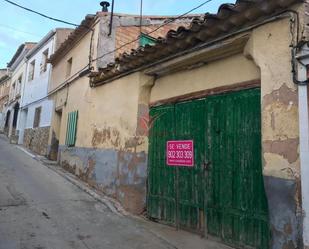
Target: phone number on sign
{"x": 180, "y": 154}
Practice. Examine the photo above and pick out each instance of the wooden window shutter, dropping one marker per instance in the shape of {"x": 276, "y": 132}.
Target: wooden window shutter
{"x": 71, "y": 129}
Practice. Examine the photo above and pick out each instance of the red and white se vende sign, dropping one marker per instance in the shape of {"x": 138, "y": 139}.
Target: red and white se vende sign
{"x": 180, "y": 153}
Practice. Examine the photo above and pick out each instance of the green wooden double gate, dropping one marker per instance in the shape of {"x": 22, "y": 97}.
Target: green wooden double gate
{"x": 223, "y": 194}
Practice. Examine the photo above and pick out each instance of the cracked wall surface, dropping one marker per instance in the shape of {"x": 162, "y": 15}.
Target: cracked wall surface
{"x": 111, "y": 148}
{"x": 280, "y": 131}
{"x": 112, "y": 144}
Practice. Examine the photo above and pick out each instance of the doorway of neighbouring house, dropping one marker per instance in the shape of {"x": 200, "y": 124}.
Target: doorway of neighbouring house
{"x": 15, "y": 118}
{"x": 7, "y": 122}
{"x": 223, "y": 194}
{"x": 23, "y": 124}
{"x": 55, "y": 135}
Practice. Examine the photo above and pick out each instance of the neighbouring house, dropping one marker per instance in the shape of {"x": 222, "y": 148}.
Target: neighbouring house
{"x": 215, "y": 119}
{"x": 81, "y": 122}
{"x": 17, "y": 68}
{"x": 35, "y": 107}
{"x": 4, "y": 97}
{"x": 3, "y": 71}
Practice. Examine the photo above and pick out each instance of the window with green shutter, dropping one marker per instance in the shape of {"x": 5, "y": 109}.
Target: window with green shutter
{"x": 71, "y": 129}
{"x": 146, "y": 40}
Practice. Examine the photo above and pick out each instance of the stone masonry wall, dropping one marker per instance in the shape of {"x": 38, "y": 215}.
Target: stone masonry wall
{"x": 37, "y": 140}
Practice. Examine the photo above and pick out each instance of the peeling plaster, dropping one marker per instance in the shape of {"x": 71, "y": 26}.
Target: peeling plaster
{"x": 287, "y": 148}
{"x": 284, "y": 95}
{"x": 118, "y": 173}
{"x": 106, "y": 136}
{"x": 280, "y": 122}
{"x": 277, "y": 166}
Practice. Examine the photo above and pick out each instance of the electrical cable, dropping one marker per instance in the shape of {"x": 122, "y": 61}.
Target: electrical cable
{"x": 69, "y": 80}
{"x": 162, "y": 25}
{"x": 41, "y": 14}
{"x": 118, "y": 48}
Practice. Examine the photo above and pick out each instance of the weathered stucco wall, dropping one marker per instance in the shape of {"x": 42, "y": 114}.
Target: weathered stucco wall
{"x": 111, "y": 146}
{"x": 112, "y": 109}
{"x": 108, "y": 153}
{"x": 234, "y": 69}
{"x": 267, "y": 56}
{"x": 280, "y": 133}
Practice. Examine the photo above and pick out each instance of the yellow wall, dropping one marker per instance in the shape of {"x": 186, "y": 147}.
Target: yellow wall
{"x": 80, "y": 58}
{"x": 234, "y": 69}
{"x": 107, "y": 114}
{"x": 280, "y": 132}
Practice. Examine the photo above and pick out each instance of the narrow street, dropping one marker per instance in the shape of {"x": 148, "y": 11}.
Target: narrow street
{"x": 39, "y": 209}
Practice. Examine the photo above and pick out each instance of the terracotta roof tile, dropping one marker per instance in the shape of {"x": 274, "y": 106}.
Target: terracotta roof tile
{"x": 82, "y": 29}
{"x": 229, "y": 18}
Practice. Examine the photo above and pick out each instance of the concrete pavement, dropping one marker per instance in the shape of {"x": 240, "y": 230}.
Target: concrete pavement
{"x": 40, "y": 209}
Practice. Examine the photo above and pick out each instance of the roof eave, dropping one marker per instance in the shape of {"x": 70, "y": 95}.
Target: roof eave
{"x": 73, "y": 38}
{"x": 230, "y": 18}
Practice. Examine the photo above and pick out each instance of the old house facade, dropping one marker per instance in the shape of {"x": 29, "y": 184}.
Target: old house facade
{"x": 35, "y": 107}
{"x": 74, "y": 140}
{"x": 3, "y": 71}
{"x": 4, "y": 97}
{"x": 232, "y": 85}
{"x": 17, "y": 67}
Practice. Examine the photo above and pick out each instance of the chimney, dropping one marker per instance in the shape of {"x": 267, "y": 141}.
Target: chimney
{"x": 105, "y": 6}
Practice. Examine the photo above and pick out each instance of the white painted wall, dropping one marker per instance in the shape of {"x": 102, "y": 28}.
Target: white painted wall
{"x": 304, "y": 146}
{"x": 36, "y": 89}
{"x": 46, "y": 113}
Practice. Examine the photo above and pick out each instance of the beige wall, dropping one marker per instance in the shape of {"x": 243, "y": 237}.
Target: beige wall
{"x": 61, "y": 36}
{"x": 234, "y": 69}
{"x": 80, "y": 59}
{"x": 106, "y": 143}
{"x": 107, "y": 114}
{"x": 271, "y": 64}
{"x": 4, "y": 93}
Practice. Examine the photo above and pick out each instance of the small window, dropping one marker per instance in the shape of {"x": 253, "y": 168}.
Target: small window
{"x": 31, "y": 70}
{"x": 37, "y": 117}
{"x": 12, "y": 91}
{"x": 71, "y": 129}
{"x": 18, "y": 87}
{"x": 20, "y": 79}
{"x": 69, "y": 67}
{"x": 146, "y": 40}
{"x": 44, "y": 61}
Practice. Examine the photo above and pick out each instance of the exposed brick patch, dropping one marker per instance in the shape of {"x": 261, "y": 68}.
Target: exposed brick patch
{"x": 129, "y": 33}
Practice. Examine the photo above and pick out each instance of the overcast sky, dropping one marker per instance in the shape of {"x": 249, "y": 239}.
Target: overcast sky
{"x": 18, "y": 26}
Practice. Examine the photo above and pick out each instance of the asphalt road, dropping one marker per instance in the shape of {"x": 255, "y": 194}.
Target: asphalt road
{"x": 41, "y": 210}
